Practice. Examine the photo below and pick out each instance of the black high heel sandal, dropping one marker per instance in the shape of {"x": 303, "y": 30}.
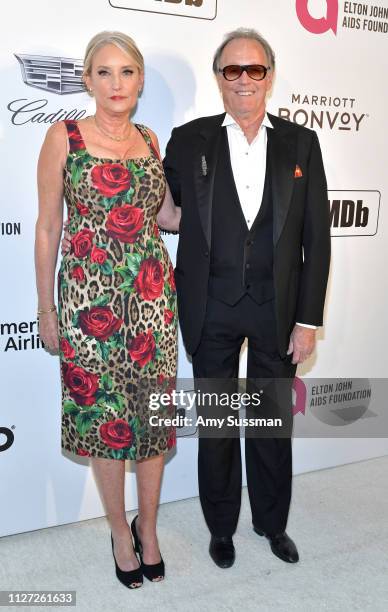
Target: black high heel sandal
{"x": 151, "y": 571}
{"x": 129, "y": 578}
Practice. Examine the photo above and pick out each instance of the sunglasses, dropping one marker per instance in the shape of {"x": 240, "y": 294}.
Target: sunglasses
{"x": 257, "y": 72}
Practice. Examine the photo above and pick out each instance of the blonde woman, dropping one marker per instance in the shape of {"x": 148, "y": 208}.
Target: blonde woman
{"x": 116, "y": 324}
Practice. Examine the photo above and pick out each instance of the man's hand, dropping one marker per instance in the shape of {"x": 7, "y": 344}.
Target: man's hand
{"x": 66, "y": 240}
{"x": 302, "y": 343}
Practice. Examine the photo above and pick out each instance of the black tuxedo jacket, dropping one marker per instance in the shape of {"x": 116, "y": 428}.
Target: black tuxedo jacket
{"x": 301, "y": 228}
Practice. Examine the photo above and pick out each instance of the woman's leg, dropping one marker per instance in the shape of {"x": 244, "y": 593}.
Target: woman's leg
{"x": 149, "y": 476}
{"x": 110, "y": 477}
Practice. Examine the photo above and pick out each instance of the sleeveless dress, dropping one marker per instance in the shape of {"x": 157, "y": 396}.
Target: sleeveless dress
{"x": 117, "y": 312}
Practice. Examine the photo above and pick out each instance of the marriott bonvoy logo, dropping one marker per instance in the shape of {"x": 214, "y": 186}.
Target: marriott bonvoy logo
{"x": 325, "y": 112}
{"x": 199, "y": 9}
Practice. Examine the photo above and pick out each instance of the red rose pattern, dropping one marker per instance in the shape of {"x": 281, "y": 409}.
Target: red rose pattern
{"x": 142, "y": 348}
{"x": 168, "y": 316}
{"x": 82, "y": 385}
{"x": 78, "y": 273}
{"x": 111, "y": 179}
{"x": 83, "y": 210}
{"x": 99, "y": 322}
{"x": 125, "y": 223}
{"x": 116, "y": 434}
{"x": 82, "y": 242}
{"x": 75, "y": 139}
{"x": 98, "y": 255}
{"x": 82, "y": 452}
{"x": 150, "y": 279}
{"x": 66, "y": 349}
{"x": 171, "y": 277}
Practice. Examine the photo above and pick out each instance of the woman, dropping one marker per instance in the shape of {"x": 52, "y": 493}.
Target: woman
{"x": 116, "y": 324}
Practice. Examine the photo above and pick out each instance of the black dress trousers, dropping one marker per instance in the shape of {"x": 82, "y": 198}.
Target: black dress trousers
{"x": 268, "y": 459}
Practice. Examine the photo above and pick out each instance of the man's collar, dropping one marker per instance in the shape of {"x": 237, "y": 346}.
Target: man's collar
{"x": 230, "y": 121}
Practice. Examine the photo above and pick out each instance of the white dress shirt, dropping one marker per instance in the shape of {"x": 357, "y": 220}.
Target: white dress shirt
{"x": 249, "y": 164}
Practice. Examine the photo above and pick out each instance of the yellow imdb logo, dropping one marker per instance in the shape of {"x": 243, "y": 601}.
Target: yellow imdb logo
{"x": 197, "y": 9}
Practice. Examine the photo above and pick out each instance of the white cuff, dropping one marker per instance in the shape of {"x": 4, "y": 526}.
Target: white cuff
{"x": 307, "y": 325}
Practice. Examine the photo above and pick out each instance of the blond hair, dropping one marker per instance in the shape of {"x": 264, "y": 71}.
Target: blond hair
{"x": 120, "y": 40}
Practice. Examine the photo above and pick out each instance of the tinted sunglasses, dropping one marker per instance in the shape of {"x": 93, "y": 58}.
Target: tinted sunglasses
{"x": 257, "y": 72}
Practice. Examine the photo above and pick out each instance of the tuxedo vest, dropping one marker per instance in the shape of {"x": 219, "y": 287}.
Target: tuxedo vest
{"x": 241, "y": 260}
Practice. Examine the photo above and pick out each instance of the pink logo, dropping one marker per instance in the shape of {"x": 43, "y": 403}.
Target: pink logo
{"x": 299, "y": 389}
{"x": 314, "y": 25}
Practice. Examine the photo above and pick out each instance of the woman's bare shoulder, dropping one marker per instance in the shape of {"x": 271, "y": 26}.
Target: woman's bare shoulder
{"x": 56, "y": 141}
{"x": 56, "y": 136}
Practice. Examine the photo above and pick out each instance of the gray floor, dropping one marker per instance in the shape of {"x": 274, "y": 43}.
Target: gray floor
{"x": 339, "y": 520}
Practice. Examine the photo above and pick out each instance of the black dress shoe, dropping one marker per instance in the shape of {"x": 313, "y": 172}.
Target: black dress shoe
{"x": 281, "y": 545}
{"x": 222, "y": 551}
{"x": 133, "y": 579}
{"x": 155, "y": 571}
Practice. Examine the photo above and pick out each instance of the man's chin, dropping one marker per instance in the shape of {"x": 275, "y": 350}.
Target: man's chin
{"x": 246, "y": 111}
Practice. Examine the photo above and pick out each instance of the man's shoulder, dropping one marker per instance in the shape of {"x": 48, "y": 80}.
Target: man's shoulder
{"x": 200, "y": 123}
{"x": 288, "y": 127}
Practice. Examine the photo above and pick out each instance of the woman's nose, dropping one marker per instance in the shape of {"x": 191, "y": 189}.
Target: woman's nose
{"x": 116, "y": 82}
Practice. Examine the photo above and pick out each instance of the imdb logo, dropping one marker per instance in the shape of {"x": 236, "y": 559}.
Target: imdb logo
{"x": 198, "y": 9}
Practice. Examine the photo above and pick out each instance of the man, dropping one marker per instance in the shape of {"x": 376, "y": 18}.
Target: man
{"x": 252, "y": 262}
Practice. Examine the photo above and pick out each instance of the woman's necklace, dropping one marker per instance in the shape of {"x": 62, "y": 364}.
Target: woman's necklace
{"x": 117, "y": 138}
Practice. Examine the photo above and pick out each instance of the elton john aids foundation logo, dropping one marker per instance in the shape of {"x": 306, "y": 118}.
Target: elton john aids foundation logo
{"x": 318, "y": 25}
{"x": 336, "y": 402}
{"x": 299, "y": 393}
{"x": 364, "y": 16}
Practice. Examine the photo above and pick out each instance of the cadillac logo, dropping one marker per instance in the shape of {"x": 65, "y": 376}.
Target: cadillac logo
{"x": 60, "y": 75}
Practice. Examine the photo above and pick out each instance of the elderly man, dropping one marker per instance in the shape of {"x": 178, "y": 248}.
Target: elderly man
{"x": 252, "y": 262}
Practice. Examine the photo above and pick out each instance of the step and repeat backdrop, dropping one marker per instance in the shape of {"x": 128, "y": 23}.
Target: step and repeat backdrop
{"x": 331, "y": 77}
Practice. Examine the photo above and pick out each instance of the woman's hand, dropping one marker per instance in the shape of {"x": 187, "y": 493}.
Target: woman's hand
{"x": 66, "y": 240}
{"x": 48, "y": 331}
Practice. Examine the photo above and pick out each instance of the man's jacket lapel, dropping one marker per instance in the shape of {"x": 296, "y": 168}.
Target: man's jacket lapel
{"x": 205, "y": 162}
{"x": 282, "y": 156}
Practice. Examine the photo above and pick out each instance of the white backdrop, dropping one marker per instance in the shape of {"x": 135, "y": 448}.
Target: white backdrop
{"x": 331, "y": 66}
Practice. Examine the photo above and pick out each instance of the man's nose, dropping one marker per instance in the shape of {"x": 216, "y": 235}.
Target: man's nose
{"x": 244, "y": 78}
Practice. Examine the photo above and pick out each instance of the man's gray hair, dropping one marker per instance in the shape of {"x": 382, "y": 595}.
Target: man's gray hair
{"x": 250, "y": 34}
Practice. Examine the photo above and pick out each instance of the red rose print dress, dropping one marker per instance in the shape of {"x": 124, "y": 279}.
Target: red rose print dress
{"x": 117, "y": 306}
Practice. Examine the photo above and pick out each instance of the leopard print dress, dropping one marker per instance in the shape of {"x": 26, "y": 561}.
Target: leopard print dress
{"x": 116, "y": 306}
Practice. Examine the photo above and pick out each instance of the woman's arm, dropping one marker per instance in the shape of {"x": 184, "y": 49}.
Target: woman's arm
{"x": 169, "y": 215}
{"x": 48, "y": 230}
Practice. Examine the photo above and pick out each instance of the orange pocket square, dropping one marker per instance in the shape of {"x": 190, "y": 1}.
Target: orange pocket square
{"x": 298, "y": 172}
